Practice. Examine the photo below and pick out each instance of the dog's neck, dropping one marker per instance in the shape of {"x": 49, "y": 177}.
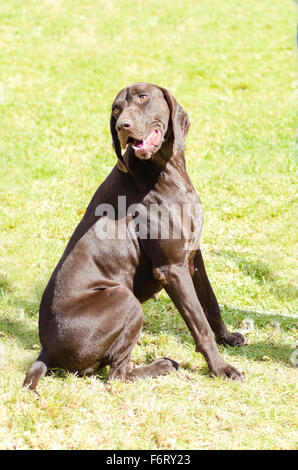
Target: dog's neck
{"x": 162, "y": 164}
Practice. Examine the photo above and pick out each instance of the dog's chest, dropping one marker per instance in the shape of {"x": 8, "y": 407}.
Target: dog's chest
{"x": 175, "y": 214}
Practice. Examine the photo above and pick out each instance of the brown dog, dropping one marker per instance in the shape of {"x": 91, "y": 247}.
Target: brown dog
{"x": 90, "y": 312}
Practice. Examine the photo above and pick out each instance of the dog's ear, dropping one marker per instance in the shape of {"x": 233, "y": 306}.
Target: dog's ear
{"x": 116, "y": 145}
{"x": 180, "y": 122}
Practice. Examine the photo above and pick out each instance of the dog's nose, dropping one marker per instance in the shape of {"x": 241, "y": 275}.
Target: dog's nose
{"x": 123, "y": 124}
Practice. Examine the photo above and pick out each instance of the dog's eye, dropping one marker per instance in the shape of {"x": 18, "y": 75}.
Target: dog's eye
{"x": 116, "y": 111}
{"x": 143, "y": 98}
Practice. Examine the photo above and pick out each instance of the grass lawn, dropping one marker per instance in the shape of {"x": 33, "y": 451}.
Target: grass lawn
{"x": 232, "y": 66}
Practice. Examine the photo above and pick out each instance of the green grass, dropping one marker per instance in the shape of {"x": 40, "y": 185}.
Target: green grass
{"x": 232, "y": 67}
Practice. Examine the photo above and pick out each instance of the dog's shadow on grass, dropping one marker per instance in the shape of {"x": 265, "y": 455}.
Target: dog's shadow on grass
{"x": 23, "y": 325}
{"x": 261, "y": 273}
{"x": 265, "y": 335}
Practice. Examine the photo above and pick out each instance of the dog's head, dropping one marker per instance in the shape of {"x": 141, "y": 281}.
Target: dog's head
{"x": 143, "y": 117}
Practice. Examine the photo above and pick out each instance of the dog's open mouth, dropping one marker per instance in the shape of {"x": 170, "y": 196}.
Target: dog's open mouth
{"x": 151, "y": 141}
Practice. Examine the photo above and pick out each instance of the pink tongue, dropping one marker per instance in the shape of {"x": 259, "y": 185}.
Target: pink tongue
{"x": 153, "y": 138}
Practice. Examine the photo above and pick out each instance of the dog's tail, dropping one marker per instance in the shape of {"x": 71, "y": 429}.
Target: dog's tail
{"x": 37, "y": 370}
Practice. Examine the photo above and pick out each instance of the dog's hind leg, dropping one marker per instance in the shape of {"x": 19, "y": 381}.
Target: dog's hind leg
{"x": 121, "y": 349}
{"x": 37, "y": 370}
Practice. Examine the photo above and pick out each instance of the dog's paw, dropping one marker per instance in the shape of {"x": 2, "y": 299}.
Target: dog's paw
{"x": 233, "y": 339}
{"x": 164, "y": 366}
{"x": 173, "y": 363}
{"x": 226, "y": 371}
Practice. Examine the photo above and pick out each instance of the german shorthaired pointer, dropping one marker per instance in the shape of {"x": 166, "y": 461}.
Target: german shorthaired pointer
{"x": 90, "y": 312}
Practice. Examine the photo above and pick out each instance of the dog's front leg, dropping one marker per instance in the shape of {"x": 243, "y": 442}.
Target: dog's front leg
{"x": 210, "y": 305}
{"x": 177, "y": 281}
